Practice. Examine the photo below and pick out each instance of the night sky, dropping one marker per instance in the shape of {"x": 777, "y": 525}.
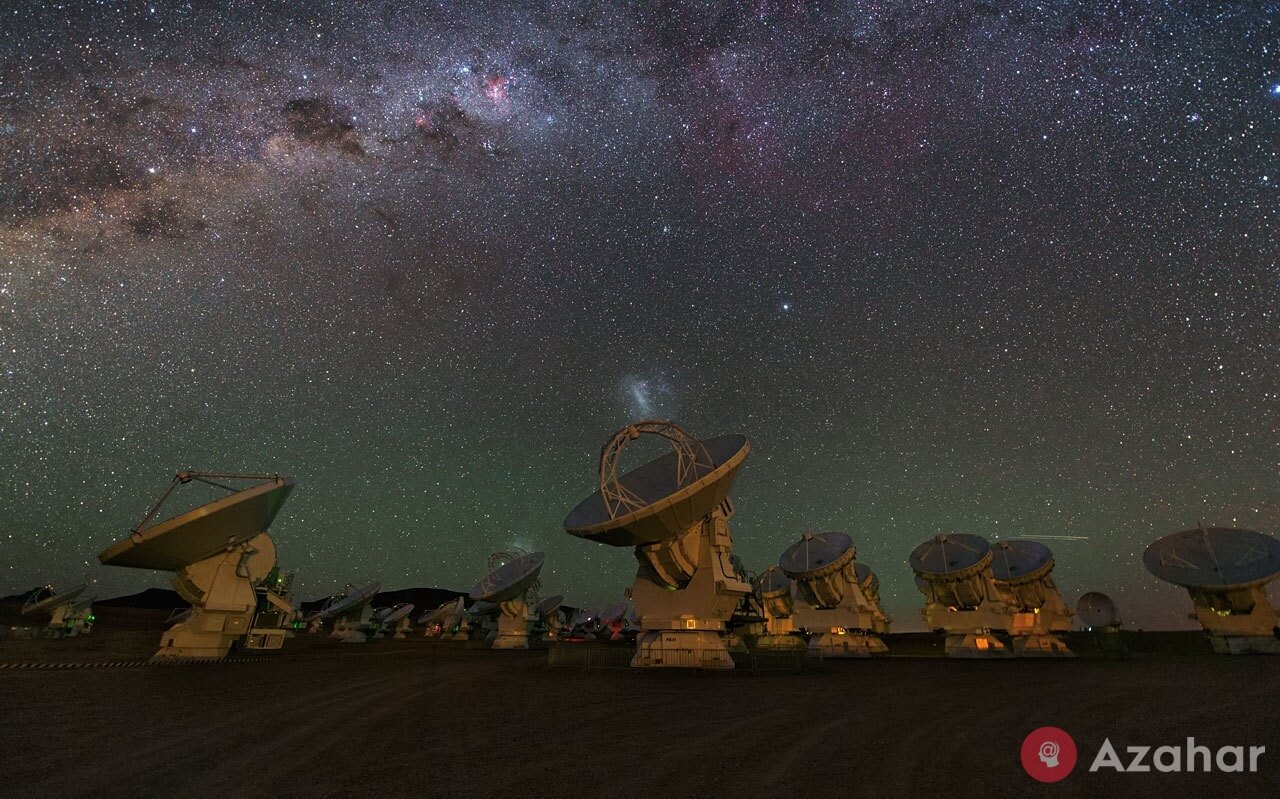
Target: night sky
{"x": 1007, "y": 268}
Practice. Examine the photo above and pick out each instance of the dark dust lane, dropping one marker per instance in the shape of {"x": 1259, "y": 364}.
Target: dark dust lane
{"x": 430, "y": 721}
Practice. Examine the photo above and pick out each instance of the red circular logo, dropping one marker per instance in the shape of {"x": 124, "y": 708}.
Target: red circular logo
{"x": 1048, "y": 754}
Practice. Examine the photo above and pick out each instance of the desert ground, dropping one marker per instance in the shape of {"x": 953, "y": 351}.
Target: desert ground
{"x": 428, "y": 719}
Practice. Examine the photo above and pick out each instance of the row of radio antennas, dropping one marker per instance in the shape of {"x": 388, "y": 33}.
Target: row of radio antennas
{"x": 674, "y": 511}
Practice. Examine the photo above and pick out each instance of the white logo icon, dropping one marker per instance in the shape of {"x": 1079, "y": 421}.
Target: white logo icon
{"x": 1049, "y": 754}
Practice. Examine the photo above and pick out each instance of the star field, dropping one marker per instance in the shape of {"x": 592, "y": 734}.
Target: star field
{"x": 1007, "y": 268}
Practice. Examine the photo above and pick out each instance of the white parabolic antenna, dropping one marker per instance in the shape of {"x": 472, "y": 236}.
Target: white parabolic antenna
{"x": 813, "y": 559}
{"x": 953, "y": 571}
{"x": 443, "y": 613}
{"x": 395, "y": 617}
{"x": 550, "y": 605}
{"x": 867, "y": 578}
{"x": 352, "y": 599}
{"x": 1226, "y": 571}
{"x": 1021, "y": 561}
{"x": 207, "y": 531}
{"x": 510, "y": 579}
{"x": 674, "y": 511}
{"x": 1096, "y": 611}
{"x": 459, "y": 614}
{"x": 70, "y": 615}
{"x": 1215, "y": 558}
{"x": 354, "y": 621}
{"x": 222, "y": 555}
{"x": 1022, "y": 571}
{"x": 394, "y": 613}
{"x": 951, "y": 557}
{"x": 45, "y": 600}
{"x": 774, "y": 588}
{"x": 775, "y": 591}
{"x": 507, "y": 588}
{"x": 614, "y": 613}
{"x": 831, "y": 605}
{"x": 443, "y": 619}
{"x": 548, "y": 611}
{"x": 584, "y": 621}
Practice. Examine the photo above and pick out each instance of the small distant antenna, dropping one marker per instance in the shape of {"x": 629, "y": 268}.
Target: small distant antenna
{"x": 353, "y": 617}
{"x": 510, "y": 589}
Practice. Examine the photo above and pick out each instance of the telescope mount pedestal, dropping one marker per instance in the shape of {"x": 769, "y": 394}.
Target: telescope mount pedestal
{"x": 220, "y": 589}
{"x": 684, "y": 592}
{"x": 354, "y": 627}
{"x": 1239, "y": 622}
{"x": 513, "y": 624}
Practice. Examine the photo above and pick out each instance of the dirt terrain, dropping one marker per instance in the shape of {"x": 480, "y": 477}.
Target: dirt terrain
{"x": 420, "y": 719}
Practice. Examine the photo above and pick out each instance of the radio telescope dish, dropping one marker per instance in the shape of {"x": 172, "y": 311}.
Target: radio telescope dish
{"x": 1022, "y": 570}
{"x": 614, "y": 613}
{"x": 552, "y": 617}
{"x": 1226, "y": 572}
{"x": 774, "y": 588}
{"x": 394, "y": 613}
{"x": 45, "y": 600}
{"x": 1097, "y": 611}
{"x": 953, "y": 571}
{"x": 1021, "y": 561}
{"x": 1214, "y": 557}
{"x": 951, "y": 554}
{"x": 351, "y": 599}
{"x": 508, "y": 588}
{"x": 225, "y": 563}
{"x": 817, "y": 554}
{"x": 867, "y": 578}
{"x": 510, "y": 579}
{"x": 613, "y": 620}
{"x": 443, "y": 620}
{"x": 663, "y": 498}
{"x": 397, "y": 615}
{"x": 458, "y": 622}
{"x": 830, "y": 603}
{"x": 207, "y": 531}
{"x": 550, "y": 605}
{"x": 674, "y": 510}
{"x": 436, "y": 616}
{"x": 583, "y": 623}
{"x": 353, "y": 617}
{"x": 69, "y": 614}
{"x": 776, "y": 594}
{"x": 482, "y": 608}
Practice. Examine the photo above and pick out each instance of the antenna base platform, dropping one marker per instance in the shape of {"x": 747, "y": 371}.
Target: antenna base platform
{"x": 513, "y": 625}
{"x": 355, "y": 627}
{"x": 976, "y": 645}
{"x": 781, "y": 641}
{"x": 1245, "y": 645}
{"x": 69, "y": 621}
{"x": 224, "y": 602}
{"x": 1041, "y": 645}
{"x": 1240, "y": 621}
{"x": 847, "y": 644}
{"x": 684, "y": 627}
{"x": 681, "y": 649}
